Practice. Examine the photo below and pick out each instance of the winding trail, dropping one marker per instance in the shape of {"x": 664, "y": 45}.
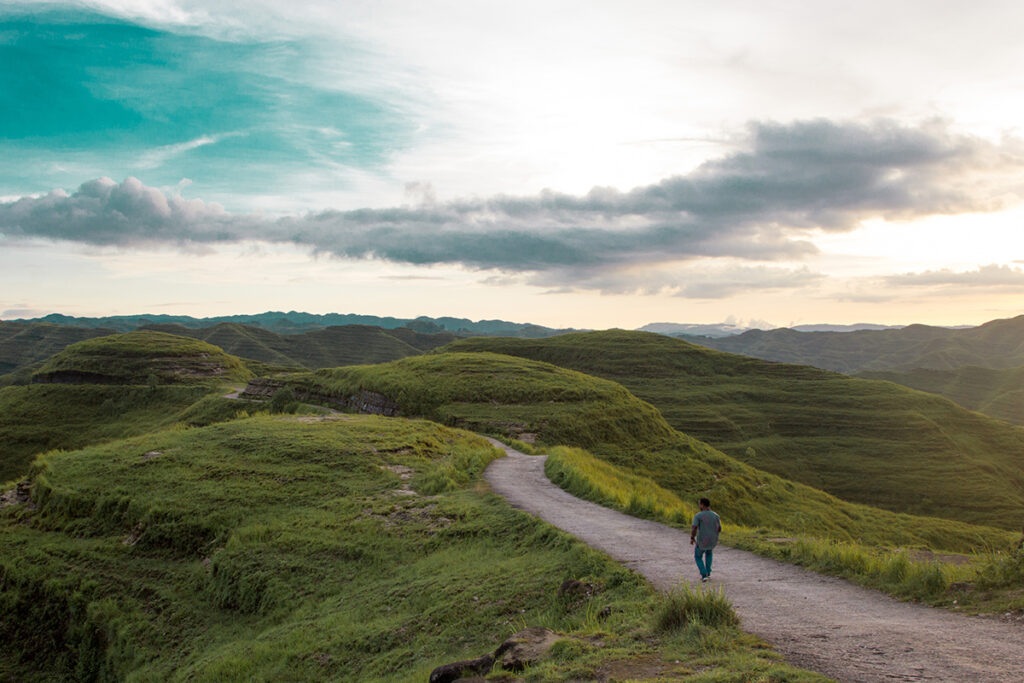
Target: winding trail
{"x": 816, "y": 622}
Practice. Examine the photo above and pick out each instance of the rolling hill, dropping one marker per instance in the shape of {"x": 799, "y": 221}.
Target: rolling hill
{"x": 996, "y": 393}
{"x": 866, "y": 441}
{"x": 142, "y": 357}
{"x": 323, "y": 348}
{"x": 996, "y": 344}
{"x": 350, "y": 548}
{"x": 549, "y": 405}
{"x": 24, "y": 346}
{"x": 110, "y": 387}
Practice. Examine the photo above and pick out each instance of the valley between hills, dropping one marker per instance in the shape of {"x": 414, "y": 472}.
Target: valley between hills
{"x": 154, "y": 529}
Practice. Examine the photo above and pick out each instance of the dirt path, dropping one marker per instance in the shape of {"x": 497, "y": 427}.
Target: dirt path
{"x": 814, "y": 621}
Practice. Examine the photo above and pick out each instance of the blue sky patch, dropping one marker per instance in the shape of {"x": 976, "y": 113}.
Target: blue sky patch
{"x": 86, "y": 95}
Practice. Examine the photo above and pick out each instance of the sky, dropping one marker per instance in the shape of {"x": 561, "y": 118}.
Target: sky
{"x": 582, "y": 164}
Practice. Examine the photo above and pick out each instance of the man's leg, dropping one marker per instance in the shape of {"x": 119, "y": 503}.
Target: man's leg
{"x": 708, "y": 556}
{"x": 699, "y": 559}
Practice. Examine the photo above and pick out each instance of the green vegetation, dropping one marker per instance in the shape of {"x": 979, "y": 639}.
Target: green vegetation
{"x": 995, "y": 344}
{"x": 296, "y": 549}
{"x": 324, "y": 348}
{"x": 662, "y": 486}
{"x": 686, "y": 606}
{"x": 38, "y": 418}
{"x": 141, "y": 358}
{"x": 500, "y": 395}
{"x": 147, "y": 381}
{"x": 885, "y": 552}
{"x": 24, "y": 346}
{"x": 510, "y": 397}
{"x": 996, "y": 393}
{"x": 864, "y": 441}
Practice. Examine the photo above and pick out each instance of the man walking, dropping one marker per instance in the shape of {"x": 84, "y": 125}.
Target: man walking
{"x": 704, "y": 537}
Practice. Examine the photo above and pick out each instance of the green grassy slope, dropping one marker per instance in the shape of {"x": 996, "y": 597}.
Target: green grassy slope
{"x": 997, "y": 393}
{"x": 26, "y": 344}
{"x": 324, "y": 348}
{"x": 864, "y": 441}
{"x": 39, "y": 418}
{"x": 287, "y": 550}
{"x": 501, "y": 394}
{"x": 515, "y": 396}
{"x": 139, "y": 358}
{"x": 996, "y": 344}
{"x": 147, "y": 380}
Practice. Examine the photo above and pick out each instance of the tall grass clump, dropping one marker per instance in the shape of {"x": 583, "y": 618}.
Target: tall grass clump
{"x": 1002, "y": 570}
{"x": 583, "y": 475}
{"x": 891, "y": 571}
{"x": 685, "y": 605}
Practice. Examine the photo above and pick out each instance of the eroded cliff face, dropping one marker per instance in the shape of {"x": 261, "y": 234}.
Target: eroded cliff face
{"x": 365, "y": 402}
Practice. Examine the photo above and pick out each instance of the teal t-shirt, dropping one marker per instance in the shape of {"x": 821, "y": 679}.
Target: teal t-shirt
{"x": 708, "y": 526}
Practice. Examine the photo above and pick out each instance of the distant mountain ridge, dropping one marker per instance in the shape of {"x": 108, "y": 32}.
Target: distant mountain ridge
{"x": 296, "y": 322}
{"x": 997, "y": 344}
{"x": 729, "y": 329}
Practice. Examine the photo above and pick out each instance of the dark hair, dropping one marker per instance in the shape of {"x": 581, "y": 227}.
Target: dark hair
{"x": 705, "y": 502}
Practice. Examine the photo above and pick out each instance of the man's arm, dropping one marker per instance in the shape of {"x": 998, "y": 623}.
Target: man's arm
{"x": 693, "y": 534}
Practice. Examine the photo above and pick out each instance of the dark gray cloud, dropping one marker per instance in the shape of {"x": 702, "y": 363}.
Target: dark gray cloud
{"x": 756, "y": 204}
{"x": 993, "y": 276}
{"x": 102, "y": 212}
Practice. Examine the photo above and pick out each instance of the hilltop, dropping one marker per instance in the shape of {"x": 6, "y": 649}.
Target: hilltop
{"x": 865, "y": 441}
{"x": 24, "y": 346}
{"x": 139, "y": 358}
{"x": 549, "y": 405}
{"x": 324, "y": 348}
{"x": 111, "y": 387}
{"x": 996, "y": 344}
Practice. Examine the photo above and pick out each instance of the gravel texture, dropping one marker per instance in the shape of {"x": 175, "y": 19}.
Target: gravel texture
{"x": 816, "y": 622}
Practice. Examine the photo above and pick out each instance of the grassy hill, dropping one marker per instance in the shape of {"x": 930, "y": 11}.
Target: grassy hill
{"x": 111, "y": 387}
{"x": 996, "y": 344}
{"x": 997, "y": 393}
{"x": 324, "y": 348}
{"x": 499, "y": 394}
{"x": 39, "y": 418}
{"x": 24, "y": 346}
{"x": 349, "y": 548}
{"x": 865, "y": 441}
{"x": 551, "y": 405}
{"x": 142, "y": 357}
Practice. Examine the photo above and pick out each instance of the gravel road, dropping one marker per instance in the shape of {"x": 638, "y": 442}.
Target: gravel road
{"x": 816, "y": 622}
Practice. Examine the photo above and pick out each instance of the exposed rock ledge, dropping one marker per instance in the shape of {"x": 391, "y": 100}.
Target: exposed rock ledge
{"x": 366, "y": 402}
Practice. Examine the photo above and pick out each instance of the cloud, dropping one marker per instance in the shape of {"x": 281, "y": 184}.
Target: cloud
{"x": 758, "y": 204}
{"x": 690, "y": 282}
{"x": 103, "y": 212}
{"x": 992, "y": 276}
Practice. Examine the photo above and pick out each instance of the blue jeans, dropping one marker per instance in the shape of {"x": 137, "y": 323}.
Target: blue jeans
{"x": 703, "y": 559}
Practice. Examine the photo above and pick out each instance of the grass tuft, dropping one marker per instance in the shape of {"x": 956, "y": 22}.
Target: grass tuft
{"x": 686, "y": 605}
